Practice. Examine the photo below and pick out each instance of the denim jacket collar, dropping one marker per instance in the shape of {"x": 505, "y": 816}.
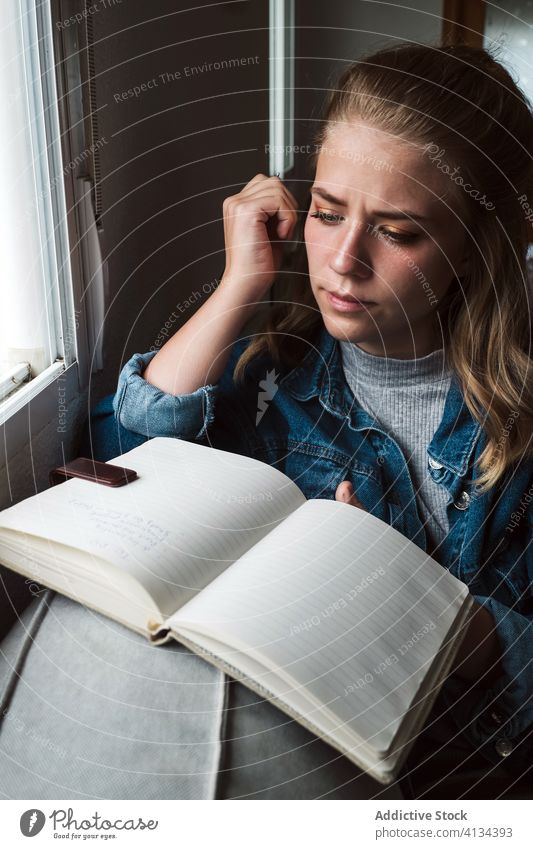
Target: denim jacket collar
{"x": 321, "y": 374}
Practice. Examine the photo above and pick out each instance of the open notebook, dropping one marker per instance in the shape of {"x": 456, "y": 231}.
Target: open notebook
{"x": 319, "y": 606}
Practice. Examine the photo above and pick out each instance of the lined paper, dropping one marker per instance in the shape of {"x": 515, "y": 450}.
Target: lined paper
{"x": 192, "y": 512}
{"x": 304, "y": 601}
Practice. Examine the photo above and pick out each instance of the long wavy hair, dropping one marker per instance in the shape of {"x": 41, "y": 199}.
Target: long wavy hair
{"x": 463, "y": 101}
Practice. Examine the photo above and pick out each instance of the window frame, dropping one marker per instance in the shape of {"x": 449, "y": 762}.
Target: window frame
{"x": 46, "y": 136}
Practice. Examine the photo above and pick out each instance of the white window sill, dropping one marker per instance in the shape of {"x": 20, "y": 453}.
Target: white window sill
{"x": 29, "y": 391}
{"x": 11, "y": 378}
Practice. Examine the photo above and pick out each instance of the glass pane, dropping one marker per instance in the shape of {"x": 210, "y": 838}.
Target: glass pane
{"x": 23, "y": 317}
{"x": 510, "y": 24}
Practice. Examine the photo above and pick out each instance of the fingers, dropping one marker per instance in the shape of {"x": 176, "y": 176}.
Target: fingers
{"x": 274, "y": 198}
{"x": 255, "y": 221}
{"x": 270, "y": 209}
{"x": 344, "y": 492}
{"x": 259, "y": 178}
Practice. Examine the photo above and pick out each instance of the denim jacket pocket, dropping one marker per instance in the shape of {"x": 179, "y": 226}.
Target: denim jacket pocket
{"x": 316, "y": 469}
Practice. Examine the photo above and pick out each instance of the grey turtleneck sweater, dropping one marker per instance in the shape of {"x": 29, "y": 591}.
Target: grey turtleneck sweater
{"x": 406, "y": 399}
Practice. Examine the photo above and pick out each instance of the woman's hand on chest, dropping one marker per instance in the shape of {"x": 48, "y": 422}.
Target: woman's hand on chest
{"x": 344, "y": 492}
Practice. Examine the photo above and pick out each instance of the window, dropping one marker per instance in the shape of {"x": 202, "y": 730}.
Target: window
{"x": 37, "y": 327}
{"x": 510, "y": 26}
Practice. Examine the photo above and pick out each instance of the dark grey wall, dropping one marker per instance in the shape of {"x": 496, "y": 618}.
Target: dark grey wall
{"x": 172, "y": 153}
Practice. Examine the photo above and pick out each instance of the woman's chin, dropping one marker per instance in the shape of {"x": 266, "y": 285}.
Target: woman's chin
{"x": 347, "y": 329}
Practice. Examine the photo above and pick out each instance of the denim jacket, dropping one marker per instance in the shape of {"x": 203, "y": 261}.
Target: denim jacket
{"x": 306, "y": 422}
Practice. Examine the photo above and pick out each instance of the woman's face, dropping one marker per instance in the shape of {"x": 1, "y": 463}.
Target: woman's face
{"x": 378, "y": 230}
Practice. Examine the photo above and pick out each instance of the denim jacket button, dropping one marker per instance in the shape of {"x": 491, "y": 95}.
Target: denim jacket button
{"x": 463, "y": 501}
{"x": 433, "y": 464}
{"x": 504, "y": 747}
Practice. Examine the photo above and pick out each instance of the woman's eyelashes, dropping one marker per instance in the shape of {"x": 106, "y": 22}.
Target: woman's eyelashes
{"x": 327, "y": 217}
{"x": 333, "y": 218}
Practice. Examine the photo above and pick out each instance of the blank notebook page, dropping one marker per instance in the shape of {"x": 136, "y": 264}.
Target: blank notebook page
{"x": 302, "y": 600}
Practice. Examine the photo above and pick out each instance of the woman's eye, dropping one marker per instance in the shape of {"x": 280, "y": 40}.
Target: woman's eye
{"x": 327, "y": 217}
{"x": 394, "y": 236}
{"x": 332, "y": 218}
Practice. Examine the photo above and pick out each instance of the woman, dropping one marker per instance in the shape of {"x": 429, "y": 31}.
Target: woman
{"x": 392, "y": 371}
{"x": 395, "y": 367}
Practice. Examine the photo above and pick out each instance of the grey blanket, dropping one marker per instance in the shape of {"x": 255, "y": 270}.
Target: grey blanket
{"x": 88, "y": 709}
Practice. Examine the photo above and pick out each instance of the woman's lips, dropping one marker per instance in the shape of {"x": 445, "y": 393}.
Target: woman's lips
{"x": 345, "y": 303}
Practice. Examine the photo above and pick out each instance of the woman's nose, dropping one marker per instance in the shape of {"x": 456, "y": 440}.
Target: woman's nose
{"x": 350, "y": 255}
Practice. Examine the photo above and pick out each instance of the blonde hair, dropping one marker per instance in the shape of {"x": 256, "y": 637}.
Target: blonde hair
{"x": 461, "y": 100}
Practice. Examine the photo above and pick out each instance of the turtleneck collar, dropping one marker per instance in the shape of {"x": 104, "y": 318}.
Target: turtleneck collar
{"x": 369, "y": 368}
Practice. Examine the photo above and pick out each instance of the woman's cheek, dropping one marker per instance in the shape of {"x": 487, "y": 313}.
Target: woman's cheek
{"x": 395, "y": 278}
{"x": 310, "y": 246}
{"x": 318, "y": 251}
{"x": 311, "y": 235}
{"x": 411, "y": 270}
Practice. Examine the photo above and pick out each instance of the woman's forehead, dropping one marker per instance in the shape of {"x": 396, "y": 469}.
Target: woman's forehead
{"x": 365, "y": 146}
{"x": 358, "y": 158}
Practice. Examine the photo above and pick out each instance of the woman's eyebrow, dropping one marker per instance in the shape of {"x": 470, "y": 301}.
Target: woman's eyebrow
{"x": 379, "y": 213}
